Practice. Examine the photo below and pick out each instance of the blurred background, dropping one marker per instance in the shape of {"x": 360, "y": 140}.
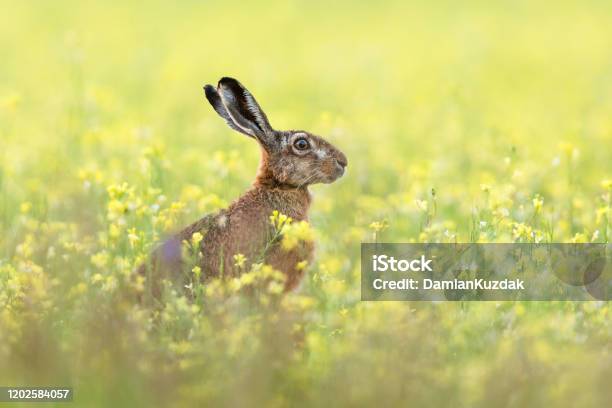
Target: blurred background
{"x": 463, "y": 122}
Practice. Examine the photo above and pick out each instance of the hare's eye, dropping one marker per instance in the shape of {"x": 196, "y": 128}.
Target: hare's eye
{"x": 301, "y": 144}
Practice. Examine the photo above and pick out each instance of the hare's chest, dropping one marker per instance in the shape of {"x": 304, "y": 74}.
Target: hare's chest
{"x": 292, "y": 262}
{"x": 260, "y": 240}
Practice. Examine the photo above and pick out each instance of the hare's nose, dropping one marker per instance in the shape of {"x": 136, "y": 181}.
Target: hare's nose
{"x": 341, "y": 160}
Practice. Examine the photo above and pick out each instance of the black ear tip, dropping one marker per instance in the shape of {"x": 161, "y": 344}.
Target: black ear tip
{"x": 229, "y": 82}
{"x": 211, "y": 93}
{"x": 227, "y": 79}
{"x": 209, "y": 89}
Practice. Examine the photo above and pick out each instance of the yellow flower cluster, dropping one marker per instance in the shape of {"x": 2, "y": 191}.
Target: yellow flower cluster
{"x": 116, "y": 153}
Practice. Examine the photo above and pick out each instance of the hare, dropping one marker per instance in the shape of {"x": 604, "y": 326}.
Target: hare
{"x": 290, "y": 161}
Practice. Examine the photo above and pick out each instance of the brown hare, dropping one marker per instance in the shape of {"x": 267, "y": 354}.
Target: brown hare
{"x": 290, "y": 161}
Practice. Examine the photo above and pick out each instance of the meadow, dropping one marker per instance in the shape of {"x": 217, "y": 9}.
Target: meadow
{"x": 479, "y": 122}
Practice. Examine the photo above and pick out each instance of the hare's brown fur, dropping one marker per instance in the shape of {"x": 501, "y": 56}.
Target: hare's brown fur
{"x": 244, "y": 228}
{"x": 286, "y": 169}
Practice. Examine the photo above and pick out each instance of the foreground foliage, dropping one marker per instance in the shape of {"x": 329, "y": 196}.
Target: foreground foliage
{"x": 485, "y": 123}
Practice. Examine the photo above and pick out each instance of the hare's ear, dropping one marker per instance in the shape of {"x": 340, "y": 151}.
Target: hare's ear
{"x": 215, "y": 100}
{"x": 244, "y": 110}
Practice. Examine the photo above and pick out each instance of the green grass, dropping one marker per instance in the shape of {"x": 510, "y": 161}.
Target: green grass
{"x": 480, "y": 122}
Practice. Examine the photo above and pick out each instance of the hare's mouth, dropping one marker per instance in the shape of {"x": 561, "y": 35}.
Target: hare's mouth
{"x": 341, "y": 169}
{"x": 337, "y": 172}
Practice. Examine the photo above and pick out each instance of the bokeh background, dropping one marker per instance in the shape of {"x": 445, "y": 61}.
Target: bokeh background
{"x": 471, "y": 121}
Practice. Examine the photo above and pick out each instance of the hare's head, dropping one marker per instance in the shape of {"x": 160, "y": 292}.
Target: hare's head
{"x": 292, "y": 158}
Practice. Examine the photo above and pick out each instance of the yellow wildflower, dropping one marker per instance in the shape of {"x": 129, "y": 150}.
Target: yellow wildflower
{"x": 295, "y": 234}
{"x": 25, "y": 207}
{"x": 537, "y": 203}
{"x": 239, "y": 260}
{"x": 133, "y": 238}
{"x": 378, "y": 226}
{"x": 197, "y": 272}
{"x": 196, "y": 238}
